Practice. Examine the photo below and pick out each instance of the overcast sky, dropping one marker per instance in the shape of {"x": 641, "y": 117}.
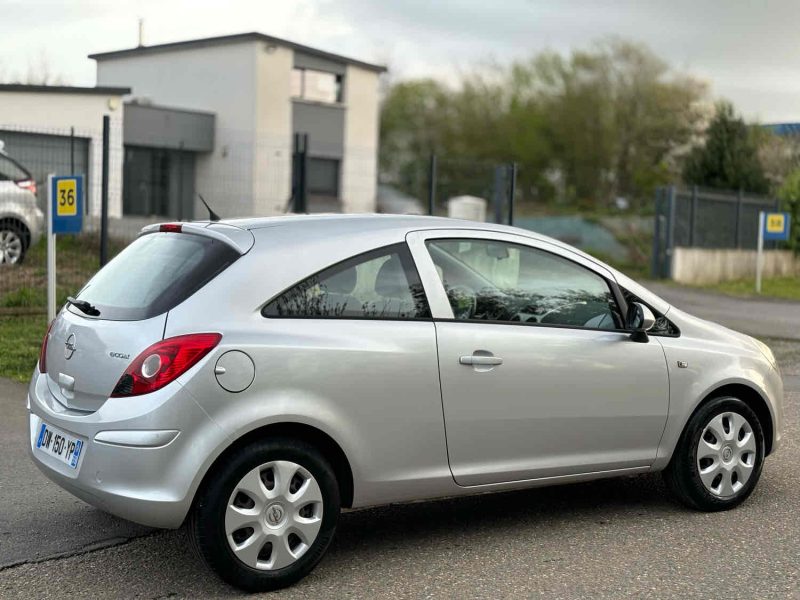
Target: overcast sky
{"x": 748, "y": 51}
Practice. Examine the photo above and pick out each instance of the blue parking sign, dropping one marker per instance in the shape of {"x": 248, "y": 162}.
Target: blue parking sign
{"x": 66, "y": 203}
{"x": 776, "y": 226}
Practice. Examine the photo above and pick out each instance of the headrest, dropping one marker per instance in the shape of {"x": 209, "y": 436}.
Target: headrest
{"x": 344, "y": 282}
{"x": 391, "y": 281}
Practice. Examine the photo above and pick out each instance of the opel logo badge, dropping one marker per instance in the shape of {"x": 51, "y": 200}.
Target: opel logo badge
{"x": 275, "y": 514}
{"x": 69, "y": 346}
{"x": 727, "y": 454}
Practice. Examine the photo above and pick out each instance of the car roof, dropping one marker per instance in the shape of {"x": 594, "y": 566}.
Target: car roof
{"x": 317, "y": 228}
{"x": 336, "y": 223}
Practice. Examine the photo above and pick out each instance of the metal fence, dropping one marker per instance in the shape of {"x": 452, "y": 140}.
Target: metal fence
{"x": 704, "y": 218}
{"x": 245, "y": 174}
{"x": 431, "y": 182}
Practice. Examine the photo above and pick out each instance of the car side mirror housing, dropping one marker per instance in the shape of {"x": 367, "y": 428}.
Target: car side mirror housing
{"x": 639, "y": 320}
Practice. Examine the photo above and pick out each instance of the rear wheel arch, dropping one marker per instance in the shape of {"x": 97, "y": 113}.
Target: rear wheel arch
{"x": 326, "y": 445}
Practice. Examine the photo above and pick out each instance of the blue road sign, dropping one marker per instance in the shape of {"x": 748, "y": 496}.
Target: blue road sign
{"x": 776, "y": 226}
{"x": 66, "y": 203}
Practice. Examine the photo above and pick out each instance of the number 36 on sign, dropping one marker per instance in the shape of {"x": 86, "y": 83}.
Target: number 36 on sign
{"x": 66, "y": 203}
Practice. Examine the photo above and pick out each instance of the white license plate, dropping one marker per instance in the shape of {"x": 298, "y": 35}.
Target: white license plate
{"x": 63, "y": 446}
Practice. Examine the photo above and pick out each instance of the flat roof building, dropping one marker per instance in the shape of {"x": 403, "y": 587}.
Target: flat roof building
{"x": 218, "y": 116}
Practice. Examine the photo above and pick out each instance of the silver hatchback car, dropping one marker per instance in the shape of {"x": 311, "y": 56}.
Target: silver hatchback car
{"x": 252, "y": 377}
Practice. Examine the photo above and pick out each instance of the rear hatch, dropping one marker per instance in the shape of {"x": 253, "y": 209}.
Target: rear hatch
{"x": 123, "y": 309}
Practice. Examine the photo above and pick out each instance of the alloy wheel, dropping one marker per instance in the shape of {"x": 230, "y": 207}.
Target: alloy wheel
{"x": 10, "y": 246}
{"x": 726, "y": 454}
{"x": 273, "y": 515}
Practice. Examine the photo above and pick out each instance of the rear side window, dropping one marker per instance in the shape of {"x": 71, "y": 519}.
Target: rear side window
{"x": 11, "y": 171}
{"x": 382, "y": 284}
{"x": 156, "y": 273}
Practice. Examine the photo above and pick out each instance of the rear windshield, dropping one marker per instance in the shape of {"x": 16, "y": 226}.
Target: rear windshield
{"x": 154, "y": 274}
{"x": 10, "y": 170}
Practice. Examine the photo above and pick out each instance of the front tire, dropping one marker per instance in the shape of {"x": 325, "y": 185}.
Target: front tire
{"x": 719, "y": 456}
{"x": 267, "y": 514}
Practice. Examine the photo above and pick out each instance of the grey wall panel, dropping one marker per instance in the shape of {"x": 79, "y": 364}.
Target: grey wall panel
{"x": 324, "y": 125}
{"x": 309, "y": 61}
{"x": 160, "y": 127}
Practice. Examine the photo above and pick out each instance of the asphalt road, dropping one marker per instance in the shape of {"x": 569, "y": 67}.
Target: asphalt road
{"x": 763, "y": 318}
{"x": 605, "y": 539}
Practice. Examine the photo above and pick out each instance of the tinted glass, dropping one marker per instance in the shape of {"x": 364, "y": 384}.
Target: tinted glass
{"x": 11, "y": 171}
{"x": 497, "y": 281}
{"x": 379, "y": 285}
{"x": 155, "y": 273}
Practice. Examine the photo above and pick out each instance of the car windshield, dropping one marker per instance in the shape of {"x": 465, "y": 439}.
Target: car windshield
{"x": 154, "y": 274}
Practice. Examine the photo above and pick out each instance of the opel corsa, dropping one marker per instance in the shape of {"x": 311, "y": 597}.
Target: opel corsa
{"x": 253, "y": 377}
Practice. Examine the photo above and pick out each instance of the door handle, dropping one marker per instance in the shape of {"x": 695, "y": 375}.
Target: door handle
{"x": 490, "y": 361}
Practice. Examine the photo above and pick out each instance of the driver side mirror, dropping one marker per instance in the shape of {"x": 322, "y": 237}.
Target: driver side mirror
{"x": 640, "y": 320}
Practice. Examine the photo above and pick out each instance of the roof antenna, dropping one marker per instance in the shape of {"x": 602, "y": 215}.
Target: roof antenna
{"x": 212, "y": 216}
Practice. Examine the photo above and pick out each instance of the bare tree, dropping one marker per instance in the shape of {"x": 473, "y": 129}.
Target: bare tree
{"x": 39, "y": 72}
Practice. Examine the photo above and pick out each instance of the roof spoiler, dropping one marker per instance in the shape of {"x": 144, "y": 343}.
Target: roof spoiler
{"x": 237, "y": 238}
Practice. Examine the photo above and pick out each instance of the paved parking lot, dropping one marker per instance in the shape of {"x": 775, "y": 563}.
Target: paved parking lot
{"x": 612, "y": 538}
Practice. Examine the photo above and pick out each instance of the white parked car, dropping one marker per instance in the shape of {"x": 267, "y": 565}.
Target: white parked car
{"x": 21, "y": 221}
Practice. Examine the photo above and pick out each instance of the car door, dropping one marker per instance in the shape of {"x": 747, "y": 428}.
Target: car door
{"x": 538, "y": 378}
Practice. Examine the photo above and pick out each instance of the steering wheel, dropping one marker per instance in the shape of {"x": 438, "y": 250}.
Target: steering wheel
{"x": 525, "y": 317}
{"x": 560, "y": 308}
{"x": 463, "y": 301}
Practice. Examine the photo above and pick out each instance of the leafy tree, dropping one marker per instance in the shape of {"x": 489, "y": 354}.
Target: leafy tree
{"x": 779, "y": 156}
{"x": 585, "y": 128}
{"x": 729, "y": 157}
{"x": 789, "y": 194}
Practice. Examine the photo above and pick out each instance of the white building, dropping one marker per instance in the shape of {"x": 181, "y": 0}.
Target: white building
{"x": 218, "y": 117}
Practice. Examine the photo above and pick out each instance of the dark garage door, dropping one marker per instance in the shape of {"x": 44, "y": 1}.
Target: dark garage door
{"x": 43, "y": 154}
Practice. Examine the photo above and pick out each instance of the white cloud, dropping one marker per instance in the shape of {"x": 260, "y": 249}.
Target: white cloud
{"x": 749, "y": 51}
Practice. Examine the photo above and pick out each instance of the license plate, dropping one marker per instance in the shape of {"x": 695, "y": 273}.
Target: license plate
{"x": 62, "y": 446}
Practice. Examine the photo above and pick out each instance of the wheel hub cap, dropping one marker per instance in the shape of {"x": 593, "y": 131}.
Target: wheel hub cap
{"x": 273, "y": 515}
{"x": 726, "y": 454}
{"x": 10, "y": 247}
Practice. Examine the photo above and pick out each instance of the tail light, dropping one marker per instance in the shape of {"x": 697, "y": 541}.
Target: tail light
{"x": 27, "y": 184}
{"x": 163, "y": 362}
{"x": 43, "y": 351}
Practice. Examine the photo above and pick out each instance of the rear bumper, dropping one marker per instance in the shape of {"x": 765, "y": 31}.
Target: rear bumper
{"x": 142, "y": 457}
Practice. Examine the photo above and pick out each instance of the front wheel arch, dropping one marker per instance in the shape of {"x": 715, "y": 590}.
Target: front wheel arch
{"x": 753, "y": 399}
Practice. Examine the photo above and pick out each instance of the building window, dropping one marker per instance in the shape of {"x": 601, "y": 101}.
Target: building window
{"x": 316, "y": 86}
{"x": 158, "y": 182}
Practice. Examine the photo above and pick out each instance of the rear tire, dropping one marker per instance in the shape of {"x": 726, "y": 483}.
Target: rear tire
{"x": 267, "y": 514}
{"x": 719, "y": 456}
